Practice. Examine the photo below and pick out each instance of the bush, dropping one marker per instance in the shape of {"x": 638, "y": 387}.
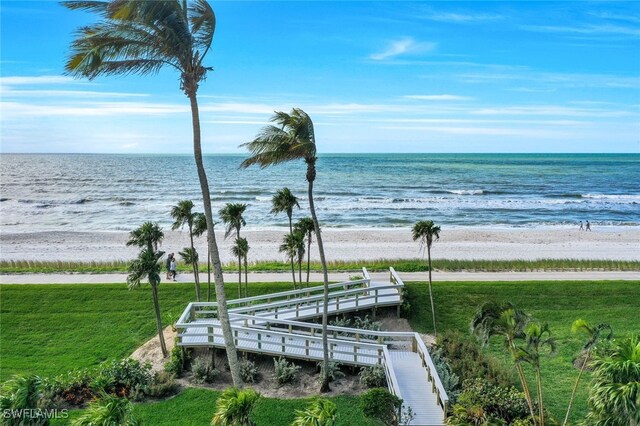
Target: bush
{"x": 320, "y": 412}
{"x": 380, "y": 404}
{"x": 179, "y": 359}
{"x": 284, "y": 371}
{"x": 164, "y": 385}
{"x": 373, "y": 377}
{"x": 202, "y": 371}
{"x": 108, "y": 410}
{"x": 234, "y": 407}
{"x": 21, "y": 393}
{"x": 248, "y": 371}
{"x": 334, "y": 372}
{"x": 483, "y": 401}
{"x": 123, "y": 377}
{"x": 450, "y": 380}
{"x": 468, "y": 361}
{"x": 70, "y": 389}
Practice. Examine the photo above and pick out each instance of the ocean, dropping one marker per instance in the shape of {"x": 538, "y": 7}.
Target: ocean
{"x": 102, "y": 192}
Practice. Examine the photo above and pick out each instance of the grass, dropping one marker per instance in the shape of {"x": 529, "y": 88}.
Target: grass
{"x": 558, "y": 303}
{"x": 401, "y": 265}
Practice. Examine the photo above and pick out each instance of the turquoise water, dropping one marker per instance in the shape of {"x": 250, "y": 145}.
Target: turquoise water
{"x": 80, "y": 192}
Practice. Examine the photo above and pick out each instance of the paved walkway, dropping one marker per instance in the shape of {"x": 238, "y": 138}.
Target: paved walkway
{"x": 334, "y": 277}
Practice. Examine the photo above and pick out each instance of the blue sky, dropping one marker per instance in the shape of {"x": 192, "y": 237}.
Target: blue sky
{"x": 375, "y": 77}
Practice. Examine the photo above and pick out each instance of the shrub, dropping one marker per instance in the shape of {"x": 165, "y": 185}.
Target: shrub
{"x": 108, "y": 410}
{"x": 123, "y": 376}
{"x": 72, "y": 388}
{"x": 202, "y": 371}
{"x": 248, "y": 371}
{"x": 21, "y": 393}
{"x": 380, "y": 404}
{"x": 320, "y": 412}
{"x": 284, "y": 371}
{"x": 450, "y": 380}
{"x": 373, "y": 377}
{"x": 334, "y": 372}
{"x": 164, "y": 385}
{"x": 234, "y": 407}
{"x": 179, "y": 359}
{"x": 468, "y": 361}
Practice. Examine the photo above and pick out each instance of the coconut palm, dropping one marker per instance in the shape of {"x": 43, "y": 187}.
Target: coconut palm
{"x": 495, "y": 319}
{"x": 190, "y": 257}
{"x": 183, "y": 214}
{"x": 594, "y": 335}
{"x": 614, "y": 399}
{"x": 240, "y": 249}
{"x": 199, "y": 228}
{"x": 108, "y": 410}
{"x": 289, "y": 247}
{"x": 298, "y": 238}
{"x": 231, "y": 215}
{"x": 427, "y": 232}
{"x": 305, "y": 225}
{"x": 20, "y": 393}
{"x": 148, "y": 235}
{"x": 234, "y": 407}
{"x": 141, "y": 37}
{"x": 147, "y": 266}
{"x": 537, "y": 337}
{"x": 294, "y": 139}
{"x": 285, "y": 201}
{"x": 320, "y": 412}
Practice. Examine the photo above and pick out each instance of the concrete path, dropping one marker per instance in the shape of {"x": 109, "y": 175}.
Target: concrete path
{"x": 334, "y": 277}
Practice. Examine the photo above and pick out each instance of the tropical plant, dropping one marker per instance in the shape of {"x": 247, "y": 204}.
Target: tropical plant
{"x": 178, "y": 361}
{"x": 594, "y": 334}
{"x": 290, "y": 247}
{"x": 295, "y": 139}
{"x": 305, "y": 226}
{"x": 426, "y": 232}
{"x": 285, "y": 201}
{"x": 190, "y": 257}
{"x": 537, "y": 337}
{"x": 234, "y": 407}
{"x": 284, "y": 371}
{"x": 20, "y": 393}
{"x": 373, "y": 377}
{"x": 614, "y": 398}
{"x": 108, "y": 410}
{"x": 148, "y": 235}
{"x": 248, "y": 371}
{"x": 319, "y": 412}
{"x": 203, "y": 371}
{"x": 382, "y": 405}
{"x": 199, "y": 228}
{"x": 333, "y": 371}
{"x": 141, "y": 37}
{"x": 182, "y": 214}
{"x": 147, "y": 266}
{"x": 494, "y": 319}
{"x": 232, "y": 216}
{"x": 241, "y": 250}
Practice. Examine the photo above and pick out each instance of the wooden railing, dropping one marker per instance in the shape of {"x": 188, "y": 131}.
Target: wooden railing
{"x": 432, "y": 374}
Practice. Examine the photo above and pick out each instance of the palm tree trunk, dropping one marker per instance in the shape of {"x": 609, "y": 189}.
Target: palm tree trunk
{"x": 246, "y": 278}
{"x": 196, "y": 278}
{"x": 156, "y": 307}
{"x": 540, "y": 403}
{"x": 300, "y": 272}
{"x": 311, "y": 176}
{"x": 575, "y": 387}
{"x": 308, "y": 258}
{"x": 523, "y": 382}
{"x": 208, "y": 275}
{"x": 433, "y": 309}
{"x": 194, "y": 268}
{"x": 239, "y": 277}
{"x": 293, "y": 272}
{"x": 221, "y": 298}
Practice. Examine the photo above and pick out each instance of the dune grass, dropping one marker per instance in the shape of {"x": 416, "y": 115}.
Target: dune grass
{"x": 401, "y": 265}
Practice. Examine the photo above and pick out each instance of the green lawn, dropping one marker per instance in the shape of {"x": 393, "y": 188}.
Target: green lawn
{"x": 557, "y": 302}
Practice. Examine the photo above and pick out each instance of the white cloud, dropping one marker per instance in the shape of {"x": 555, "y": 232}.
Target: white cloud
{"x": 42, "y": 79}
{"x": 403, "y": 46}
{"x": 438, "y": 97}
{"x": 461, "y": 18}
{"x": 586, "y": 29}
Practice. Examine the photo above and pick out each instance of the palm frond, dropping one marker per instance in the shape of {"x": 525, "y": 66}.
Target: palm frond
{"x": 203, "y": 25}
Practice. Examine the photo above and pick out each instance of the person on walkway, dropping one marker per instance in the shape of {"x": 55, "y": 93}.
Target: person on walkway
{"x": 581, "y": 227}
{"x": 168, "y": 265}
{"x": 173, "y": 267}
{"x": 588, "y": 226}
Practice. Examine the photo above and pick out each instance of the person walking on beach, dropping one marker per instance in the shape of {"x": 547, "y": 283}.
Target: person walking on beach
{"x": 588, "y": 226}
{"x": 173, "y": 267}
{"x": 168, "y": 265}
{"x": 581, "y": 227}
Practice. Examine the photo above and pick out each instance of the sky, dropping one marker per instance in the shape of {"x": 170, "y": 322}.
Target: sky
{"x": 374, "y": 76}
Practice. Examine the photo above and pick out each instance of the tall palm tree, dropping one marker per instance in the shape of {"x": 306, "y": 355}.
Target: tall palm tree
{"x": 199, "y": 228}
{"x": 148, "y": 235}
{"x": 615, "y": 387}
{"x": 294, "y": 139}
{"x": 298, "y": 238}
{"x": 305, "y": 225}
{"x": 232, "y": 216}
{"x": 240, "y": 249}
{"x": 427, "y": 232}
{"x": 183, "y": 214}
{"x": 147, "y": 266}
{"x": 190, "y": 257}
{"x": 289, "y": 247}
{"x": 285, "y": 201}
{"x": 594, "y": 335}
{"x": 495, "y": 319}
{"x": 141, "y": 37}
{"x": 537, "y": 337}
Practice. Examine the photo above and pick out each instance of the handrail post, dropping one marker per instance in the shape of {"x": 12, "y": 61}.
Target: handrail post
{"x": 210, "y": 332}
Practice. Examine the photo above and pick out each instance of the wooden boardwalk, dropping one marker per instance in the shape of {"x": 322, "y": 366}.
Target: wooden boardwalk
{"x": 271, "y": 325}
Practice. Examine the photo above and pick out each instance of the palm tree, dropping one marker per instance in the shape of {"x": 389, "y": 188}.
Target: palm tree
{"x": 231, "y": 215}
{"x": 147, "y": 266}
{"x": 537, "y": 337}
{"x": 298, "y": 238}
{"x": 183, "y": 214}
{"x": 295, "y": 139}
{"x": 305, "y": 225}
{"x": 494, "y": 319}
{"x": 199, "y": 228}
{"x": 141, "y": 37}
{"x": 289, "y": 247}
{"x": 108, "y": 410}
{"x": 594, "y": 334}
{"x": 148, "y": 235}
{"x": 285, "y": 201}
{"x": 320, "y": 412}
{"x": 190, "y": 257}
{"x": 426, "y": 232}
{"x": 21, "y": 393}
{"x": 615, "y": 387}
{"x": 234, "y": 407}
{"x": 241, "y": 250}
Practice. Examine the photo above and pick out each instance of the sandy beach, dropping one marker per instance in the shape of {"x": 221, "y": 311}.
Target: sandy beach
{"x": 615, "y": 243}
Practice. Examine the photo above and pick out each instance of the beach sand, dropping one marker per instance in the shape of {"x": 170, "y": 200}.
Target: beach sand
{"x": 616, "y": 243}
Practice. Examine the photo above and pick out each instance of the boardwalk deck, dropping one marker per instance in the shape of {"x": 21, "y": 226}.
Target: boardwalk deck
{"x": 271, "y": 325}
